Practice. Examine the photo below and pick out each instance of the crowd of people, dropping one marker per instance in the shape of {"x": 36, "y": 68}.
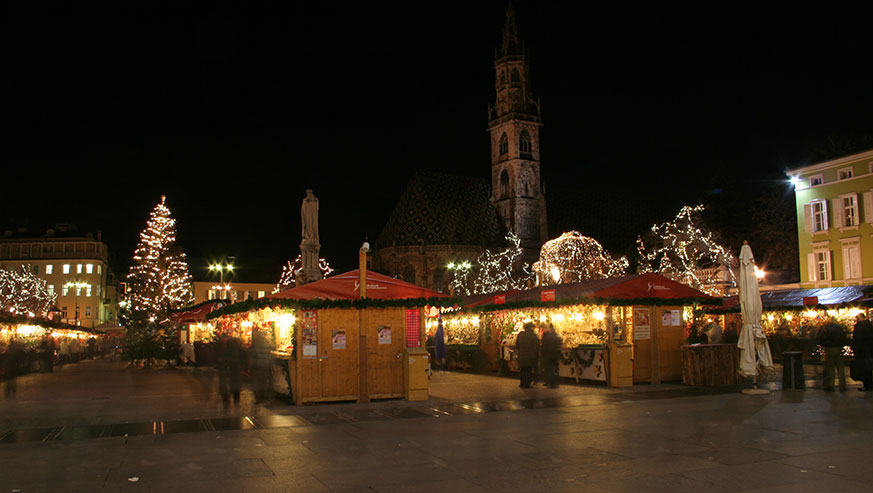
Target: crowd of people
{"x": 832, "y": 338}
{"x": 538, "y": 355}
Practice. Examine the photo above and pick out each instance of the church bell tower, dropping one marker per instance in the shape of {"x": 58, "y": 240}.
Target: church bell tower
{"x": 514, "y": 125}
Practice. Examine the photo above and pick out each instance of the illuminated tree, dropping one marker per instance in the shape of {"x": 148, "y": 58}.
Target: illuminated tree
{"x": 493, "y": 271}
{"x": 21, "y": 292}
{"x": 158, "y": 280}
{"x": 288, "y": 279}
{"x": 572, "y": 257}
{"x": 684, "y": 251}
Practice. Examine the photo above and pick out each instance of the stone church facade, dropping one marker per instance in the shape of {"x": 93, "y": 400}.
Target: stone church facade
{"x": 442, "y": 219}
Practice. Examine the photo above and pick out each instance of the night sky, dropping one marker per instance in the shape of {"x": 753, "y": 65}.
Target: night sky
{"x": 233, "y": 110}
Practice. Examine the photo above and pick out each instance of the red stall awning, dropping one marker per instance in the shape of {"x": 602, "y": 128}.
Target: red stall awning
{"x": 345, "y": 287}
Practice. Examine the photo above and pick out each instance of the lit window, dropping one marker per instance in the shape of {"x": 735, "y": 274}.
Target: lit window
{"x": 49, "y": 269}
{"x": 87, "y": 311}
{"x": 99, "y": 270}
{"x": 78, "y": 268}
{"x": 89, "y": 268}
{"x": 816, "y": 180}
{"x": 850, "y": 210}
{"x": 823, "y": 265}
{"x": 845, "y": 173}
{"x": 66, "y": 269}
{"x": 51, "y": 289}
{"x": 261, "y": 294}
{"x": 819, "y": 216}
{"x": 88, "y": 290}
{"x": 65, "y": 291}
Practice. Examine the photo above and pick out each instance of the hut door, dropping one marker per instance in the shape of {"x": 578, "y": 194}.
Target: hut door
{"x": 671, "y": 336}
{"x": 642, "y": 339}
{"x": 338, "y": 353}
{"x": 386, "y": 336}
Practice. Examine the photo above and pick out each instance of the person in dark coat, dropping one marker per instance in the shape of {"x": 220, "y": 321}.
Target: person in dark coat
{"x": 832, "y": 340}
{"x": 230, "y": 360}
{"x": 527, "y": 345}
{"x": 262, "y": 378}
{"x": 551, "y": 351}
{"x": 862, "y": 346}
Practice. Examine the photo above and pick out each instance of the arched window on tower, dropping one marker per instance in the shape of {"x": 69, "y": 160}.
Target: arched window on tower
{"x": 524, "y": 145}
{"x": 502, "y": 78}
{"x": 504, "y": 144}
{"x": 514, "y": 78}
{"x": 504, "y": 184}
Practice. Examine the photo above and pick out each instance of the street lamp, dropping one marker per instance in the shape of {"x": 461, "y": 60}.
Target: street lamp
{"x": 221, "y": 268}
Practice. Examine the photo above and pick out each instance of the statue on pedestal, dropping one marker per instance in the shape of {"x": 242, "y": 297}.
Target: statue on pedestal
{"x": 310, "y": 246}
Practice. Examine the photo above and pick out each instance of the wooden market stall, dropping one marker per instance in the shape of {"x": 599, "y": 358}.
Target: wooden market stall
{"x": 331, "y": 345}
{"x": 618, "y": 331}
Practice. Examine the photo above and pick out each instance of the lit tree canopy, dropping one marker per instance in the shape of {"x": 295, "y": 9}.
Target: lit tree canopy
{"x": 572, "y": 257}
{"x": 684, "y": 251}
{"x": 493, "y": 271}
{"x": 288, "y": 279}
{"x": 158, "y": 280}
{"x": 22, "y": 292}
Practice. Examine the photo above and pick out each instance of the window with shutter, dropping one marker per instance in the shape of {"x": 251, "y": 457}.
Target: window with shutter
{"x": 811, "y": 267}
{"x": 819, "y": 215}
{"x": 807, "y": 218}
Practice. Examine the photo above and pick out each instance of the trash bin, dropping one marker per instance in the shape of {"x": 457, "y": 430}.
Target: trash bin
{"x": 792, "y": 371}
{"x": 416, "y": 375}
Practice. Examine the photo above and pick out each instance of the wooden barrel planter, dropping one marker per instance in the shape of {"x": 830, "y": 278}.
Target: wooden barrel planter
{"x": 711, "y": 365}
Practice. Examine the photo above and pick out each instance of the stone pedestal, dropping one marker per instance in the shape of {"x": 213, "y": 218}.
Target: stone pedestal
{"x": 309, "y": 250}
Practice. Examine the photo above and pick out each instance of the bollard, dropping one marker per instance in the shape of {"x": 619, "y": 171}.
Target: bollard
{"x": 792, "y": 371}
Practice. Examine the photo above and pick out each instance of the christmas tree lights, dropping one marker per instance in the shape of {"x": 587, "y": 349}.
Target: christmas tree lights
{"x": 288, "y": 279}
{"x": 158, "y": 280}
{"x": 22, "y": 293}
{"x": 684, "y": 251}
{"x": 572, "y": 257}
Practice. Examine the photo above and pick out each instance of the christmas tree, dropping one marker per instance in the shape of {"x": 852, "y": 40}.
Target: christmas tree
{"x": 158, "y": 282}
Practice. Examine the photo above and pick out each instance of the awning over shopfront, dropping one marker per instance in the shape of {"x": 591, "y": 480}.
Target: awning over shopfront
{"x": 197, "y": 313}
{"x": 804, "y": 297}
{"x": 346, "y": 287}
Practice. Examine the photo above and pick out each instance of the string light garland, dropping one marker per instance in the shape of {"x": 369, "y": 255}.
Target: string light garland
{"x": 683, "y": 251}
{"x": 21, "y": 292}
{"x": 573, "y": 257}
{"x": 288, "y": 278}
{"x": 158, "y": 280}
{"x": 494, "y": 271}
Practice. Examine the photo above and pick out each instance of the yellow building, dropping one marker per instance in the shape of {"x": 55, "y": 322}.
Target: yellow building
{"x": 247, "y": 278}
{"x": 835, "y": 221}
{"x": 75, "y": 266}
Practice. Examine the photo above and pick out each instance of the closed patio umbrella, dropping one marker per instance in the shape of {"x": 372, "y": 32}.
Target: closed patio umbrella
{"x": 754, "y": 349}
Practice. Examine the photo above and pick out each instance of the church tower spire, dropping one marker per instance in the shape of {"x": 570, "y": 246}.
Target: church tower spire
{"x": 514, "y": 125}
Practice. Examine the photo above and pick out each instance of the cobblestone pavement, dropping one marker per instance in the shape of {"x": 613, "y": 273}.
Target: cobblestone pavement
{"x": 100, "y": 425}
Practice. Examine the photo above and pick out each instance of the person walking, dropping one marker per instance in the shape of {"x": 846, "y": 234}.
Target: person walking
{"x": 230, "y": 360}
{"x": 551, "y": 351}
{"x": 862, "y": 347}
{"x": 832, "y": 339}
{"x": 527, "y": 345}
{"x": 261, "y": 369}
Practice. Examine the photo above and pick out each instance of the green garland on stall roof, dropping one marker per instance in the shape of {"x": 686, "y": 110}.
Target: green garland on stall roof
{"x": 45, "y": 323}
{"x": 587, "y": 300}
{"x": 321, "y": 304}
{"x": 789, "y": 308}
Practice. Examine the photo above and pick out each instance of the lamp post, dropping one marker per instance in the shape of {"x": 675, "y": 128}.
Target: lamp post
{"x": 221, "y": 268}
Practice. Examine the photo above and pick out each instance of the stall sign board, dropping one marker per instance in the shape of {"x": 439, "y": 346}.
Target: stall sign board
{"x": 339, "y": 339}
{"x": 547, "y": 295}
{"x": 810, "y": 300}
{"x": 309, "y": 334}
{"x": 384, "y": 334}
{"x": 500, "y": 299}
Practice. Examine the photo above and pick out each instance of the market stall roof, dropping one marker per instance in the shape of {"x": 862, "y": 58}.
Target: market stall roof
{"x": 110, "y": 328}
{"x": 639, "y": 286}
{"x": 796, "y": 297}
{"x": 345, "y": 287}
{"x": 197, "y": 313}
{"x": 486, "y": 299}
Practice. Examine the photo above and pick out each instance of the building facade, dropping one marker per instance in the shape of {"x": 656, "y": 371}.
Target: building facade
{"x": 75, "y": 266}
{"x": 834, "y": 202}
{"x": 515, "y": 120}
{"x": 442, "y": 220}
